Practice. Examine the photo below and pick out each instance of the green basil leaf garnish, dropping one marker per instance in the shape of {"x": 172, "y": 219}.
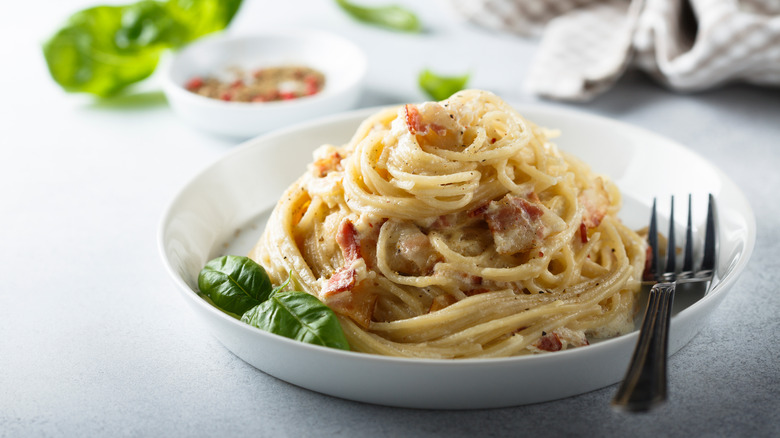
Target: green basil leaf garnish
{"x": 103, "y": 49}
{"x": 390, "y": 16}
{"x": 441, "y": 87}
{"x": 234, "y": 284}
{"x": 94, "y": 54}
{"x": 299, "y": 316}
{"x": 239, "y": 286}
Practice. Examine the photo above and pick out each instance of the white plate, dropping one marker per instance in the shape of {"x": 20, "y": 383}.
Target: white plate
{"x": 221, "y": 211}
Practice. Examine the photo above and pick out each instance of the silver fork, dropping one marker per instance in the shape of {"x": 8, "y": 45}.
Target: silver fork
{"x": 644, "y": 386}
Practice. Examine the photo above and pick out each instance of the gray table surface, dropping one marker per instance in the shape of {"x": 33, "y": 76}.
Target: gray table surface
{"x": 95, "y": 341}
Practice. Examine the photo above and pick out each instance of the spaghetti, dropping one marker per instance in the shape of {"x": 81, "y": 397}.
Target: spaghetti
{"x": 456, "y": 229}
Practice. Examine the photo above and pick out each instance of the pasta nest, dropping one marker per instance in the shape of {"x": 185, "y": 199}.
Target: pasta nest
{"x": 457, "y": 229}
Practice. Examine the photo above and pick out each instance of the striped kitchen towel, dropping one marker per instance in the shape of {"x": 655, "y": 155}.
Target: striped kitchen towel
{"x": 688, "y": 45}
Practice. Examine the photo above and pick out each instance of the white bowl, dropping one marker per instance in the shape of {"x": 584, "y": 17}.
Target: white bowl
{"x": 223, "y": 208}
{"x": 343, "y": 64}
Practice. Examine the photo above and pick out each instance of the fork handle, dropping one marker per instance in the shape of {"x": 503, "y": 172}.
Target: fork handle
{"x": 644, "y": 386}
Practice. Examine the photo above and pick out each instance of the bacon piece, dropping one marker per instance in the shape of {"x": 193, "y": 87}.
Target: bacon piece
{"x": 414, "y": 254}
{"x": 345, "y": 295}
{"x": 416, "y": 248}
{"x": 325, "y": 165}
{"x": 416, "y": 124}
{"x": 343, "y": 292}
{"x": 571, "y": 338}
{"x": 442, "y": 221}
{"x": 560, "y": 339}
{"x": 477, "y": 291}
{"x": 347, "y": 239}
{"x": 432, "y": 124}
{"x": 479, "y": 211}
{"x": 342, "y": 280}
{"x": 595, "y": 200}
{"x": 549, "y": 342}
{"x": 413, "y": 119}
{"x": 368, "y": 239}
{"x": 515, "y": 224}
{"x": 357, "y": 304}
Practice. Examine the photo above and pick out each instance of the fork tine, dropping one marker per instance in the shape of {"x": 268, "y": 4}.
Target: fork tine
{"x": 687, "y": 268}
{"x": 708, "y": 260}
{"x": 671, "y": 257}
{"x": 651, "y": 272}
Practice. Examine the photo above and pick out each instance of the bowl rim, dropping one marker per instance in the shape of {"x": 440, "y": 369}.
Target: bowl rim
{"x": 176, "y": 90}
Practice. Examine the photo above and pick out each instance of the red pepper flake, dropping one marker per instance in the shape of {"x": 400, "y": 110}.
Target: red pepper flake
{"x": 492, "y": 140}
{"x": 287, "y": 95}
{"x": 226, "y": 96}
{"x": 194, "y": 84}
{"x": 541, "y": 254}
{"x": 583, "y": 233}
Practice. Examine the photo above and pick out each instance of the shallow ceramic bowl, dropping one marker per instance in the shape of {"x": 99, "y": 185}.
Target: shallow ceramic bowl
{"x": 223, "y": 209}
{"x": 343, "y": 64}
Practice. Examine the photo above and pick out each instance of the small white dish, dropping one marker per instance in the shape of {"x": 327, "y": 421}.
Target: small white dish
{"x": 343, "y": 64}
{"x": 223, "y": 210}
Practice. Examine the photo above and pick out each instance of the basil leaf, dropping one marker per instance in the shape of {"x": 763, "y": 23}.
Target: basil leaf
{"x": 103, "y": 49}
{"x": 390, "y": 17}
{"x": 201, "y": 17}
{"x": 234, "y": 284}
{"x": 441, "y": 87}
{"x": 84, "y": 55}
{"x": 145, "y": 24}
{"x": 299, "y": 316}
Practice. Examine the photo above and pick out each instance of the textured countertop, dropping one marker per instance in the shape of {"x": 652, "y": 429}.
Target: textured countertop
{"x": 96, "y": 341}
